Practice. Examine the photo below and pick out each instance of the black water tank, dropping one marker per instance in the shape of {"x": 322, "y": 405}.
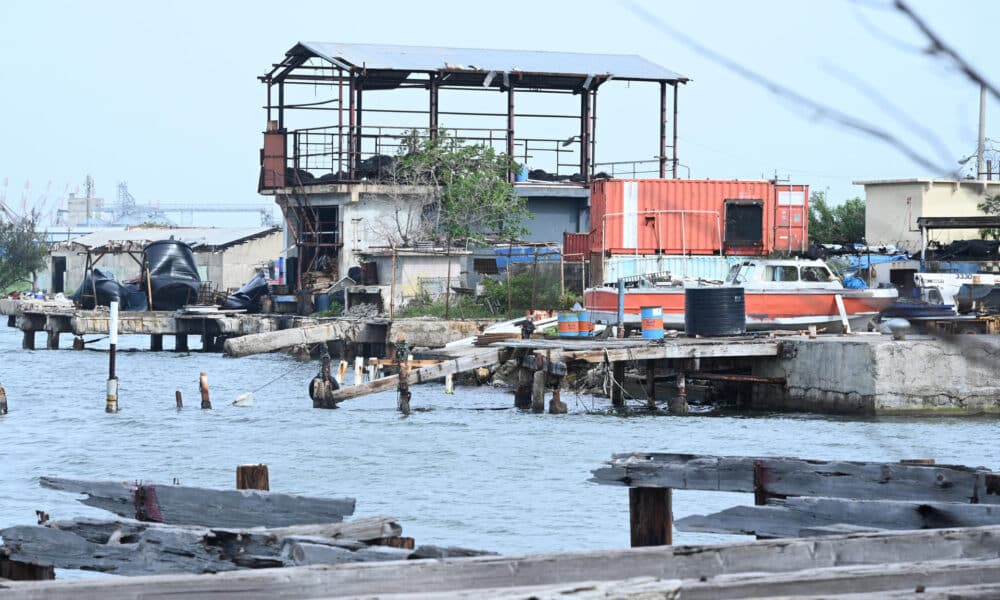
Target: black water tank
{"x": 712, "y": 311}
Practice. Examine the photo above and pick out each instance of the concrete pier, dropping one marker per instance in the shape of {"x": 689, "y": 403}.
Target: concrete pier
{"x": 876, "y": 375}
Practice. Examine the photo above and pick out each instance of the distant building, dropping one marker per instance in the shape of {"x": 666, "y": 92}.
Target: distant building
{"x": 892, "y": 207}
{"x": 227, "y": 257}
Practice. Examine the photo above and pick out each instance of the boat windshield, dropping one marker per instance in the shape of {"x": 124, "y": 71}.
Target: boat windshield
{"x": 740, "y": 273}
{"x": 817, "y": 273}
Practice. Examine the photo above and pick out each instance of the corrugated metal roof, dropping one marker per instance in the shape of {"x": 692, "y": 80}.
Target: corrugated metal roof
{"x": 195, "y": 237}
{"x": 432, "y": 58}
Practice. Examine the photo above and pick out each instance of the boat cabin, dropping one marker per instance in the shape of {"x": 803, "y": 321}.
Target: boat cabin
{"x": 783, "y": 273}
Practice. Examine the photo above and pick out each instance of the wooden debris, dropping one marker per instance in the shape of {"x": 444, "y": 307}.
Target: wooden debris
{"x": 180, "y": 505}
{"x": 789, "y": 517}
{"x": 129, "y": 547}
{"x": 252, "y": 477}
{"x": 798, "y": 477}
{"x": 273, "y": 341}
{"x": 461, "y": 364}
{"x": 827, "y": 566}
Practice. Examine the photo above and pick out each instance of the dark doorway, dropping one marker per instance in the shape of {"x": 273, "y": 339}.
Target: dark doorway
{"x": 58, "y": 274}
{"x": 744, "y": 224}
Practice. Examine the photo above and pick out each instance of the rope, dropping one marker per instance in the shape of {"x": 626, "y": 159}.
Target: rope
{"x": 288, "y": 372}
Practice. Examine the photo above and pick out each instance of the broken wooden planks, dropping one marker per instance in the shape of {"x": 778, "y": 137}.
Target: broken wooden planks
{"x": 469, "y": 362}
{"x": 182, "y": 505}
{"x": 776, "y": 476}
{"x": 129, "y": 547}
{"x": 795, "y": 517}
{"x": 831, "y": 565}
{"x": 673, "y": 349}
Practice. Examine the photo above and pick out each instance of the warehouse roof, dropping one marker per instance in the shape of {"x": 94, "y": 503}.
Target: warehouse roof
{"x": 199, "y": 238}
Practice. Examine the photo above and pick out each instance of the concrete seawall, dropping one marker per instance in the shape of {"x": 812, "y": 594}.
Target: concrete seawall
{"x": 876, "y": 375}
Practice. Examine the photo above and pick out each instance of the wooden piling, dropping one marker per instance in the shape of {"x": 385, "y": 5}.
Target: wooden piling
{"x": 650, "y": 516}
{"x": 15, "y": 570}
{"x": 403, "y": 387}
{"x": 618, "y": 377}
{"x": 3, "y": 401}
{"x": 252, "y": 477}
{"x": 538, "y": 392}
{"x": 28, "y": 339}
{"x": 206, "y": 403}
{"x": 179, "y": 399}
{"x": 556, "y": 405}
{"x": 52, "y": 340}
{"x": 522, "y": 395}
{"x": 78, "y": 343}
{"x": 181, "y": 343}
{"x": 207, "y": 342}
{"x": 156, "y": 342}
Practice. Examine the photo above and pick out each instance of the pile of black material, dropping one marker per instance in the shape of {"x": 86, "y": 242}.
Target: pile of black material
{"x": 106, "y": 288}
{"x": 298, "y": 177}
{"x": 173, "y": 274}
{"x": 543, "y": 175}
{"x": 248, "y": 297}
{"x": 379, "y": 166}
{"x": 966, "y": 250}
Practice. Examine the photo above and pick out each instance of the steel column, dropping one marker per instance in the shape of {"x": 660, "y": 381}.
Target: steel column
{"x": 662, "y": 154}
{"x": 433, "y": 117}
{"x": 351, "y": 126}
{"x": 281, "y": 105}
{"x": 510, "y": 127}
{"x": 675, "y": 131}
{"x": 360, "y": 125}
{"x": 584, "y": 133}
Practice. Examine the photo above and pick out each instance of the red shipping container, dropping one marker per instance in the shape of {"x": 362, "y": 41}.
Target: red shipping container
{"x": 576, "y": 246}
{"x": 678, "y": 216}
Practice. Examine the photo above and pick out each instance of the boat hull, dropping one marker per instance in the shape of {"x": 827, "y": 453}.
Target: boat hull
{"x": 765, "y": 309}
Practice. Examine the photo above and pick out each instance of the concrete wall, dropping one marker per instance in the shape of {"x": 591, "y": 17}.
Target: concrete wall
{"x": 876, "y": 375}
{"x": 892, "y": 209}
{"x": 553, "y": 216}
{"x": 412, "y": 269}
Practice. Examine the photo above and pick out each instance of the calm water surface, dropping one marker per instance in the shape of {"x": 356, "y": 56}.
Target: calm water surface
{"x": 457, "y": 474}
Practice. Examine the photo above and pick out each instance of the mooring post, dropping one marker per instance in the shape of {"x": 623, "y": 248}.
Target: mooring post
{"x": 449, "y": 383}
{"x": 3, "y": 401}
{"x": 650, "y": 517}
{"x": 359, "y": 369}
{"x": 156, "y": 342}
{"x": 252, "y": 477}
{"x": 111, "y": 405}
{"x": 179, "y": 399}
{"x": 203, "y": 388}
{"x": 181, "y": 343}
{"x": 403, "y": 387}
{"x": 651, "y": 384}
{"x": 538, "y": 391}
{"x": 522, "y": 395}
{"x": 28, "y": 339}
{"x": 556, "y": 405}
{"x": 618, "y": 380}
{"x": 679, "y": 404}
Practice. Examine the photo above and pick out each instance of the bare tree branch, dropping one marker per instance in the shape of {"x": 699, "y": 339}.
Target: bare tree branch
{"x": 818, "y": 109}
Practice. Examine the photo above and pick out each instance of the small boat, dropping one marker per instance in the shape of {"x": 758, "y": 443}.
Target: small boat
{"x": 778, "y": 294}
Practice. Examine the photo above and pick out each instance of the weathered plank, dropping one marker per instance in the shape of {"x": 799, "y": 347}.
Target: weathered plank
{"x": 661, "y": 562}
{"x": 461, "y": 364}
{"x": 129, "y": 547}
{"x": 678, "y": 349}
{"x": 789, "y": 517}
{"x": 182, "y": 505}
{"x": 798, "y": 477}
{"x": 272, "y": 341}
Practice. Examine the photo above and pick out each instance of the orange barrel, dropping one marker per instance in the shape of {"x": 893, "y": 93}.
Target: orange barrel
{"x": 569, "y": 324}
{"x": 584, "y": 324}
{"x": 652, "y": 322}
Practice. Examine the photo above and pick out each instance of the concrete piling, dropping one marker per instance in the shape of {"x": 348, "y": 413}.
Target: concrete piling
{"x": 3, "y": 401}
{"x": 449, "y": 384}
{"x": 556, "y": 405}
{"x": 156, "y": 342}
{"x": 111, "y": 399}
{"x": 679, "y": 403}
{"x": 180, "y": 343}
{"x": 78, "y": 343}
{"x": 52, "y": 340}
{"x": 28, "y": 339}
{"x": 538, "y": 392}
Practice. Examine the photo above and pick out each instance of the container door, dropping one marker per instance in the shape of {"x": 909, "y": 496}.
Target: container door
{"x": 744, "y": 232}
{"x": 790, "y": 228}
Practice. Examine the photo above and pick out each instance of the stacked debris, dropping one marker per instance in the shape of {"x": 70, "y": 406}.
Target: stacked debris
{"x": 248, "y": 297}
{"x": 177, "y": 529}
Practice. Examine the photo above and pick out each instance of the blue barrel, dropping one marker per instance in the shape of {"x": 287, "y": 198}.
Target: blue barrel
{"x": 522, "y": 175}
{"x": 585, "y": 326}
{"x": 321, "y": 302}
{"x": 652, "y": 322}
{"x": 569, "y": 324}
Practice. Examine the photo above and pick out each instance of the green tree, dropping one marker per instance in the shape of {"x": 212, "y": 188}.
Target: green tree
{"x": 990, "y": 206}
{"x": 22, "y": 253}
{"x": 840, "y": 224}
{"x": 468, "y": 195}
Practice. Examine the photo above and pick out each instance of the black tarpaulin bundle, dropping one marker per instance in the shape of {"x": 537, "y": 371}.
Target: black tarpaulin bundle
{"x": 173, "y": 274}
{"x": 100, "y": 288}
{"x": 248, "y": 296}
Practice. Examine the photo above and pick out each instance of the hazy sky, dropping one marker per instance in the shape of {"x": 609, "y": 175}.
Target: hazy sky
{"x": 165, "y": 96}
